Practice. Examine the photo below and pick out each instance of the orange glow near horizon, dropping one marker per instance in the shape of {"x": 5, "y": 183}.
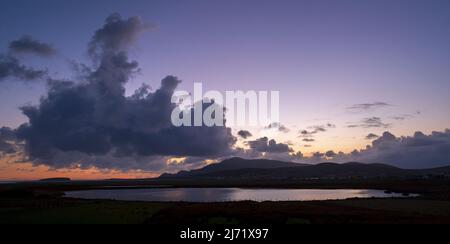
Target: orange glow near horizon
{"x": 11, "y": 171}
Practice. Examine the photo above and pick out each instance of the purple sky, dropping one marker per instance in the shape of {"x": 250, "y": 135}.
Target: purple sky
{"x": 323, "y": 56}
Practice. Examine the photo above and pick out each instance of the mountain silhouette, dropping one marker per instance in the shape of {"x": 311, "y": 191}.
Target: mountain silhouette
{"x": 271, "y": 169}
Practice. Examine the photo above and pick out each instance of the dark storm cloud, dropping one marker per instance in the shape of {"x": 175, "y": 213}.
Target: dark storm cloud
{"x": 93, "y": 123}
{"x": 11, "y": 68}
{"x": 364, "y": 107}
{"x": 244, "y": 134}
{"x": 373, "y": 122}
{"x": 28, "y": 45}
{"x": 264, "y": 145}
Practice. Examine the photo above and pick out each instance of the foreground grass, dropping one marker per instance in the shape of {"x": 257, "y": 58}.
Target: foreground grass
{"x": 362, "y": 211}
{"x": 79, "y": 212}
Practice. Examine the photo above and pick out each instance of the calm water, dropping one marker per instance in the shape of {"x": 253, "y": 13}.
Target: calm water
{"x": 225, "y": 194}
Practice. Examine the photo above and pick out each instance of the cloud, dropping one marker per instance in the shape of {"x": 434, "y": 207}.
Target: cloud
{"x": 244, "y": 134}
{"x": 10, "y": 67}
{"x": 418, "y": 151}
{"x": 28, "y": 45}
{"x": 7, "y": 141}
{"x": 264, "y": 145}
{"x": 371, "y": 136}
{"x": 312, "y": 130}
{"x": 330, "y": 154}
{"x": 309, "y": 140}
{"x": 411, "y": 152}
{"x": 365, "y": 107}
{"x": 317, "y": 129}
{"x": 368, "y": 123}
{"x": 91, "y": 123}
{"x": 402, "y": 117}
{"x": 116, "y": 35}
{"x": 279, "y": 127}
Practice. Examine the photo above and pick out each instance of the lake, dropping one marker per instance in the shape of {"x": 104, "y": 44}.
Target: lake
{"x": 226, "y": 194}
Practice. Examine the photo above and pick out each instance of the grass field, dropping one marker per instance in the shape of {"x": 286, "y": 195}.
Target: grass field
{"x": 362, "y": 211}
{"x": 54, "y": 211}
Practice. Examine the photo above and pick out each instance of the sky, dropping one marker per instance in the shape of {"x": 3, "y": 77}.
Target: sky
{"x": 345, "y": 69}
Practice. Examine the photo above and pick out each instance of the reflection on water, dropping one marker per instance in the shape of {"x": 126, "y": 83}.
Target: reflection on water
{"x": 226, "y": 194}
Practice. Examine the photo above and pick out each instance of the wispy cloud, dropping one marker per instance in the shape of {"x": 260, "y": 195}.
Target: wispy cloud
{"x": 367, "y": 107}
{"x": 402, "y": 117}
{"x": 279, "y": 127}
{"x": 312, "y": 130}
{"x": 373, "y": 122}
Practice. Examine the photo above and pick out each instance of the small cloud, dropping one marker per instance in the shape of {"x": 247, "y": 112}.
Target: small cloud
{"x": 402, "y": 117}
{"x": 244, "y": 134}
{"x": 312, "y": 130}
{"x": 317, "y": 129}
{"x": 28, "y": 45}
{"x": 264, "y": 145}
{"x": 372, "y": 136}
{"x": 309, "y": 140}
{"x": 10, "y": 67}
{"x": 373, "y": 122}
{"x": 364, "y": 107}
{"x": 279, "y": 127}
{"x": 330, "y": 154}
{"x": 7, "y": 141}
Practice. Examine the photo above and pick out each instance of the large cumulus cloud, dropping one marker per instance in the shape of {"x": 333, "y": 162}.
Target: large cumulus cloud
{"x": 92, "y": 123}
